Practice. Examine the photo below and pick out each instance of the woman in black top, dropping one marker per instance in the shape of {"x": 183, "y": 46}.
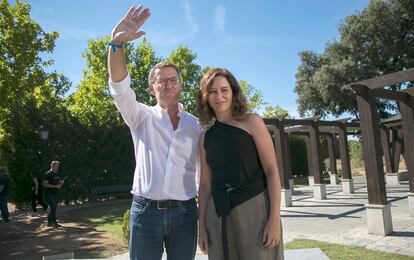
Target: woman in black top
{"x": 240, "y": 174}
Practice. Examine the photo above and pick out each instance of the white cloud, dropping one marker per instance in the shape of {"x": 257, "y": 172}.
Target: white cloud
{"x": 79, "y": 34}
{"x": 219, "y": 19}
{"x": 46, "y": 11}
{"x": 189, "y": 18}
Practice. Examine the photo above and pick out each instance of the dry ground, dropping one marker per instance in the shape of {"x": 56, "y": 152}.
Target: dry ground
{"x": 28, "y": 237}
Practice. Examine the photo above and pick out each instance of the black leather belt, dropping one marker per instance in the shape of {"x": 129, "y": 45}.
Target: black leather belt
{"x": 167, "y": 204}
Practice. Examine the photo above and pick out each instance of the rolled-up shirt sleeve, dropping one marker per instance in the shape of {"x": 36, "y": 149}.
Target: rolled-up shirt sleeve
{"x": 131, "y": 110}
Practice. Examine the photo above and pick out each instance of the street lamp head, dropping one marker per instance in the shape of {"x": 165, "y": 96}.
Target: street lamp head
{"x": 44, "y": 132}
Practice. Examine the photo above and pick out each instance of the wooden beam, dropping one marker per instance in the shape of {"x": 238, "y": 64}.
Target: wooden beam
{"x": 315, "y": 149}
{"x": 280, "y": 141}
{"x": 298, "y": 134}
{"x": 388, "y": 94}
{"x": 386, "y": 150}
{"x": 409, "y": 91}
{"x": 396, "y": 146}
{"x": 344, "y": 153}
{"x": 274, "y": 120}
{"x": 385, "y": 80}
{"x": 407, "y": 116}
{"x": 331, "y": 151}
{"x": 371, "y": 144}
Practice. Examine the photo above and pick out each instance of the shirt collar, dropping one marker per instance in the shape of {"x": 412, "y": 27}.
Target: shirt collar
{"x": 161, "y": 110}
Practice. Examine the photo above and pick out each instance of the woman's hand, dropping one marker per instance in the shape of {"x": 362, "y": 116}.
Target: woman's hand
{"x": 127, "y": 28}
{"x": 203, "y": 239}
{"x": 271, "y": 234}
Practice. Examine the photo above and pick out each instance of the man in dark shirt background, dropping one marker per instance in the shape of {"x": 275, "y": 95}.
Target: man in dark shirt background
{"x": 4, "y": 193}
{"x": 37, "y": 191}
{"x": 52, "y": 183}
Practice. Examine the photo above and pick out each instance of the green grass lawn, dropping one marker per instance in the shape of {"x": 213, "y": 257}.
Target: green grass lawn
{"x": 106, "y": 216}
{"x": 335, "y": 251}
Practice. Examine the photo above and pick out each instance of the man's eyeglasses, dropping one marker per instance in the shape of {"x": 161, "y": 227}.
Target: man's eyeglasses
{"x": 163, "y": 82}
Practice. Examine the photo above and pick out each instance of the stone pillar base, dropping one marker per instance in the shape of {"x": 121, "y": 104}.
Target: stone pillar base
{"x": 411, "y": 204}
{"x": 347, "y": 186}
{"x": 379, "y": 219}
{"x": 286, "y": 198}
{"x": 334, "y": 179}
{"x": 311, "y": 181}
{"x": 292, "y": 184}
{"x": 392, "y": 179}
{"x": 319, "y": 191}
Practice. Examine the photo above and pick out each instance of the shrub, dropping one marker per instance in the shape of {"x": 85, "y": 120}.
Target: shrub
{"x": 125, "y": 225}
{"x": 299, "y": 160}
{"x": 355, "y": 153}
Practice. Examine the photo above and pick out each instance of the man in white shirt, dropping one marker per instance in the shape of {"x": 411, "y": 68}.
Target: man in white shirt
{"x": 165, "y": 137}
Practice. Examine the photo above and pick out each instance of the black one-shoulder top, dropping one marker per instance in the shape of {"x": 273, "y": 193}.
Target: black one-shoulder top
{"x": 237, "y": 174}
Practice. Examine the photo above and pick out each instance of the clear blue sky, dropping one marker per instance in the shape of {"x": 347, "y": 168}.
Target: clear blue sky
{"x": 257, "y": 41}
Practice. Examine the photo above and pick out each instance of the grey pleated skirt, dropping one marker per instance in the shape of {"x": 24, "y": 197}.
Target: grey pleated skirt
{"x": 245, "y": 227}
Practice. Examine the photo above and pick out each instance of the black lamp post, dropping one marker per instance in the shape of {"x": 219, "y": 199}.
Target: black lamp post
{"x": 44, "y": 134}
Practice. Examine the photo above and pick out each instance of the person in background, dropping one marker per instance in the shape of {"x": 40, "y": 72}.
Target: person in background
{"x": 52, "y": 183}
{"x": 4, "y": 193}
{"x": 37, "y": 192}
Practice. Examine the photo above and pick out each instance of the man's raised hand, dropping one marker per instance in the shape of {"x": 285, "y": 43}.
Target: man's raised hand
{"x": 128, "y": 27}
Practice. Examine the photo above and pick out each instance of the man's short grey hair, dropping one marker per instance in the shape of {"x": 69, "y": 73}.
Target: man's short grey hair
{"x": 54, "y": 163}
{"x": 161, "y": 65}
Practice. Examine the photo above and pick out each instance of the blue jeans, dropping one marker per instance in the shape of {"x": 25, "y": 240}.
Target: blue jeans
{"x": 3, "y": 208}
{"x": 151, "y": 228}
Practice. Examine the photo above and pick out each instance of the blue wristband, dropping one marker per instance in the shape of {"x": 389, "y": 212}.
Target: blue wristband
{"x": 114, "y": 46}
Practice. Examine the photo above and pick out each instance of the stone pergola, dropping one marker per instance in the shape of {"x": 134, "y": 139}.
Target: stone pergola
{"x": 391, "y": 140}
{"x": 367, "y": 91}
{"x": 312, "y": 129}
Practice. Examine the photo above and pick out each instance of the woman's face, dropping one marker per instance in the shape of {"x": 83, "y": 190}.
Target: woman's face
{"x": 220, "y": 95}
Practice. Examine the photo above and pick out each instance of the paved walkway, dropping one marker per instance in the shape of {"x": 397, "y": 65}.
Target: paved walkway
{"x": 341, "y": 218}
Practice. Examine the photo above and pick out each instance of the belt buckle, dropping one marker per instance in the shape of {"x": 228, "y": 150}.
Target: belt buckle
{"x": 162, "y": 208}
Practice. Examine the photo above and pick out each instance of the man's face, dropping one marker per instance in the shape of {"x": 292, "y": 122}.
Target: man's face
{"x": 166, "y": 86}
{"x": 55, "y": 167}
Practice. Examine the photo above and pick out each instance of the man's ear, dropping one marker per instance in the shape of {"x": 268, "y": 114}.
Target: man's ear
{"x": 151, "y": 89}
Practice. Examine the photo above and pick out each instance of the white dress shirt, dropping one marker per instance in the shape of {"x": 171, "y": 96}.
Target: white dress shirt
{"x": 167, "y": 160}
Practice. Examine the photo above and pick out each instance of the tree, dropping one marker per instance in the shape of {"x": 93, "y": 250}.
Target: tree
{"x": 254, "y": 96}
{"x": 190, "y": 76}
{"x": 25, "y": 89}
{"x": 91, "y": 103}
{"x": 376, "y": 41}
{"x": 274, "y": 111}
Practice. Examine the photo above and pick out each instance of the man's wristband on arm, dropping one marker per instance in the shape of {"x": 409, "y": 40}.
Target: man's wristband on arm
{"x": 115, "y": 46}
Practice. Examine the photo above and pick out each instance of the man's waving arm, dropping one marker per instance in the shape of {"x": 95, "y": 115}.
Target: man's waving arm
{"x": 127, "y": 29}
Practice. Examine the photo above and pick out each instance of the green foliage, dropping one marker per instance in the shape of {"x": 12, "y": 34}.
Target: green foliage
{"x": 91, "y": 103}
{"x": 190, "y": 76}
{"x": 374, "y": 42}
{"x": 125, "y": 225}
{"x": 274, "y": 111}
{"x": 25, "y": 89}
{"x": 355, "y": 152}
{"x": 140, "y": 61}
{"x": 254, "y": 96}
{"x": 299, "y": 160}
